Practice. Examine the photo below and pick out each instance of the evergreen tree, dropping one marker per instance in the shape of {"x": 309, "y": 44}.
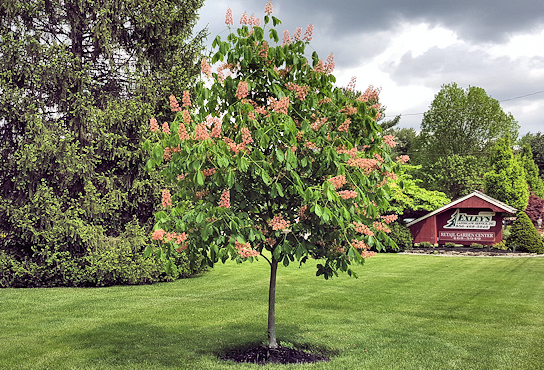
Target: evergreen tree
{"x": 79, "y": 81}
{"x": 506, "y": 180}
{"x": 524, "y": 235}
{"x": 535, "y": 183}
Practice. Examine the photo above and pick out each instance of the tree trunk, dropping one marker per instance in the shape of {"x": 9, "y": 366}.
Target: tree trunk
{"x": 272, "y": 343}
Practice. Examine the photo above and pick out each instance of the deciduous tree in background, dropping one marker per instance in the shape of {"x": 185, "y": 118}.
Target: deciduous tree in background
{"x": 271, "y": 160}
{"x": 460, "y": 122}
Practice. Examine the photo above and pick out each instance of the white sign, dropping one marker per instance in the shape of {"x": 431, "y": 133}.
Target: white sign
{"x": 483, "y": 220}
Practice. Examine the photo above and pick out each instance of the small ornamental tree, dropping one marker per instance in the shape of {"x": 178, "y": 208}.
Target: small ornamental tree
{"x": 267, "y": 158}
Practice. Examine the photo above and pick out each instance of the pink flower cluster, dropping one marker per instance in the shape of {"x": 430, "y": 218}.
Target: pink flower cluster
{"x": 351, "y": 152}
{"x": 351, "y": 85}
{"x": 301, "y": 91}
{"x": 242, "y": 90}
{"x": 228, "y": 18}
{"x": 286, "y": 38}
{"x": 309, "y": 32}
{"x": 338, "y": 181}
{"x": 186, "y": 99}
{"x": 370, "y": 94}
{"x": 325, "y": 67}
{"x": 403, "y": 159}
{"x": 318, "y": 123}
{"x": 279, "y": 106}
{"x": 366, "y": 164}
{"x": 263, "y": 52}
{"x": 154, "y": 125}
{"x": 250, "y": 21}
{"x": 201, "y": 194}
{"x": 186, "y": 116}
{"x": 347, "y": 194}
{"x": 165, "y": 237}
{"x": 224, "y": 202}
{"x": 390, "y": 218}
{"x": 174, "y": 104}
{"x": 349, "y": 110}
{"x": 166, "y": 128}
{"x": 166, "y": 200}
{"x": 246, "y": 139}
{"x": 390, "y": 141}
{"x": 381, "y": 227}
{"x": 201, "y": 132}
{"x": 297, "y": 34}
{"x": 244, "y": 249}
{"x": 182, "y": 131}
{"x": 359, "y": 244}
{"x": 362, "y": 228}
{"x": 302, "y": 212}
{"x": 208, "y": 172}
{"x": 344, "y": 127}
{"x": 278, "y": 223}
{"x": 217, "y": 124}
{"x": 268, "y": 9}
{"x": 206, "y": 68}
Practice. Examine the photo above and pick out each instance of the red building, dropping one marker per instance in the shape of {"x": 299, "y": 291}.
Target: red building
{"x": 475, "y": 218}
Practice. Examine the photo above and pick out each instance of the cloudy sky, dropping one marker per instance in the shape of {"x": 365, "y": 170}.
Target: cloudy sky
{"x": 412, "y": 48}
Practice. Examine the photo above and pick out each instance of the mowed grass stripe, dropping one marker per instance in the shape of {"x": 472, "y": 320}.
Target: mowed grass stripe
{"x": 404, "y": 312}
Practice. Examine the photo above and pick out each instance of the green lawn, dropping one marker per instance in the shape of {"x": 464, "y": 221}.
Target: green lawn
{"x": 404, "y": 312}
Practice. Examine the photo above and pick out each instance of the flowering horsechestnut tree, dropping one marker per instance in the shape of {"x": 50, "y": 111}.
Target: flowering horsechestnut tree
{"x": 267, "y": 158}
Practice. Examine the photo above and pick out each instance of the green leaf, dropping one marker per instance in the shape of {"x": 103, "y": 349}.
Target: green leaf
{"x": 244, "y": 164}
{"x": 147, "y": 251}
{"x": 277, "y": 252}
{"x": 318, "y": 210}
{"x": 200, "y": 178}
{"x": 279, "y": 188}
{"x": 200, "y": 217}
{"x": 279, "y": 155}
{"x": 265, "y": 177}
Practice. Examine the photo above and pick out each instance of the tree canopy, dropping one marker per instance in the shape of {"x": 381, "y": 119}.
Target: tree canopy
{"x": 463, "y": 122}
{"x": 268, "y": 159}
{"x": 457, "y": 132}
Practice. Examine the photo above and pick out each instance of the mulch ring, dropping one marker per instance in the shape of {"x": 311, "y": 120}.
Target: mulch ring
{"x": 259, "y": 354}
{"x": 468, "y": 251}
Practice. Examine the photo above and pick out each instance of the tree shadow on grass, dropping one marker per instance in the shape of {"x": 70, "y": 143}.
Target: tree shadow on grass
{"x": 137, "y": 344}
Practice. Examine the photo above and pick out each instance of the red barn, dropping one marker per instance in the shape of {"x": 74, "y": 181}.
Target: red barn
{"x": 475, "y": 218}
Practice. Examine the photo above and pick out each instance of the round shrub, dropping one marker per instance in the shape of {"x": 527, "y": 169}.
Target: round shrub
{"x": 400, "y": 235}
{"x": 523, "y": 235}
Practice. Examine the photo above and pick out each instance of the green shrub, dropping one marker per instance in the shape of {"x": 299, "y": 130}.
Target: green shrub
{"x": 449, "y": 245}
{"x": 110, "y": 261}
{"x": 524, "y": 236}
{"x": 500, "y": 245}
{"x": 476, "y": 245}
{"x": 426, "y": 245}
{"x": 400, "y": 235}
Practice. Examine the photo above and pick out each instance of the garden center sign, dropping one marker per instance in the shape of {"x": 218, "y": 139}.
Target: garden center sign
{"x": 475, "y": 218}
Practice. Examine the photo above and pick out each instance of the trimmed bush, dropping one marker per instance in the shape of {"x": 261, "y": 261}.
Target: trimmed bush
{"x": 523, "y": 235}
{"x": 400, "y": 235}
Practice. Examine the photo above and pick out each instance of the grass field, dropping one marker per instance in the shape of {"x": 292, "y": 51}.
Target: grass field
{"x": 404, "y": 312}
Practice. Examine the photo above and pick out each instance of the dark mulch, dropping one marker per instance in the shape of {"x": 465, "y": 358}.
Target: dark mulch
{"x": 263, "y": 355}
